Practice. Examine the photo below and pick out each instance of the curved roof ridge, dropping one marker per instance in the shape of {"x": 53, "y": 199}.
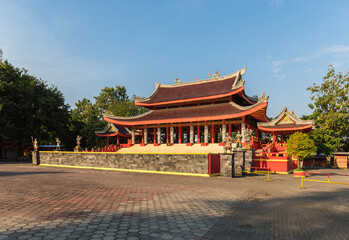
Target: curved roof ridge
{"x": 237, "y": 83}
{"x": 220, "y": 78}
{"x": 127, "y": 118}
{"x": 247, "y": 107}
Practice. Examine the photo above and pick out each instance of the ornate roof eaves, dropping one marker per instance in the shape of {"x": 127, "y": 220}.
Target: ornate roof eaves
{"x": 157, "y": 86}
{"x": 244, "y": 108}
{"x": 106, "y": 129}
{"x": 111, "y": 116}
{"x": 288, "y": 113}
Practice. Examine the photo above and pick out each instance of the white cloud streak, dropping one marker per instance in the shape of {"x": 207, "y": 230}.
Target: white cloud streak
{"x": 277, "y": 66}
{"x": 277, "y": 3}
{"x": 337, "y": 49}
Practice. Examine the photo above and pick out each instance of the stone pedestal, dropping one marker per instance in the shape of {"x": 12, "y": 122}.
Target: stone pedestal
{"x": 232, "y": 163}
{"x": 35, "y": 157}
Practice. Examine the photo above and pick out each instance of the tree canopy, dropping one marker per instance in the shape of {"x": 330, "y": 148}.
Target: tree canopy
{"x": 331, "y": 112}
{"x": 116, "y": 101}
{"x": 300, "y": 145}
{"x": 88, "y": 117}
{"x": 29, "y": 107}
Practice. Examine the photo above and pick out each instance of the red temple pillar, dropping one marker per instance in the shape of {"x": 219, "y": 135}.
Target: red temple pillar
{"x": 229, "y": 129}
{"x": 167, "y": 136}
{"x": 154, "y": 135}
{"x": 199, "y": 134}
{"x": 274, "y": 137}
{"x": 212, "y": 133}
{"x": 142, "y": 136}
{"x": 118, "y": 140}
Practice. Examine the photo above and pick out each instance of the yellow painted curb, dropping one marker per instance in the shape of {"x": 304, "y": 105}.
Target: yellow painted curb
{"x": 125, "y": 153}
{"x": 131, "y": 170}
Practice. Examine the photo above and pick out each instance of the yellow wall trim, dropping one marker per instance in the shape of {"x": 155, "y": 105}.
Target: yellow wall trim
{"x": 127, "y": 153}
{"x": 131, "y": 170}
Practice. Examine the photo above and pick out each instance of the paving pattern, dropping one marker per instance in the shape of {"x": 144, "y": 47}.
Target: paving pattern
{"x": 63, "y": 203}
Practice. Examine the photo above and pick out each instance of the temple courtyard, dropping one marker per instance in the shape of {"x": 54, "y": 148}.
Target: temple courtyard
{"x": 67, "y": 203}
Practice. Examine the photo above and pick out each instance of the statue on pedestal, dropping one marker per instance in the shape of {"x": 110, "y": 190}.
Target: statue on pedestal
{"x": 35, "y": 144}
{"x": 78, "y": 138}
{"x": 238, "y": 140}
{"x": 228, "y": 144}
{"x": 58, "y": 147}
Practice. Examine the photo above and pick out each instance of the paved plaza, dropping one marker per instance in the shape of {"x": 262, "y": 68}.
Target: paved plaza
{"x": 65, "y": 203}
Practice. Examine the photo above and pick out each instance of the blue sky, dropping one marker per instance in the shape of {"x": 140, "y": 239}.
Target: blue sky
{"x": 81, "y": 46}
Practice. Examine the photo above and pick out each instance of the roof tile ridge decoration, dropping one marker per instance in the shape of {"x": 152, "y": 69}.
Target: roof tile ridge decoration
{"x": 244, "y": 108}
{"x": 106, "y": 128}
{"x": 237, "y": 83}
{"x": 289, "y": 114}
{"x": 111, "y": 116}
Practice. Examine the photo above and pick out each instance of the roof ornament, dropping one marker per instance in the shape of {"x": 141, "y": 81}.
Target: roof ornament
{"x": 263, "y": 98}
{"x": 196, "y": 79}
{"x": 177, "y": 81}
{"x": 216, "y": 75}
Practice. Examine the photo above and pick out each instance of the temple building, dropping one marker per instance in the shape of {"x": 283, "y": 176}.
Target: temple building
{"x": 195, "y": 112}
{"x": 200, "y": 116}
{"x": 112, "y": 130}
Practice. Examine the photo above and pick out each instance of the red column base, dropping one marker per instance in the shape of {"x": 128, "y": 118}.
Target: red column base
{"x": 204, "y": 144}
{"x": 143, "y": 144}
{"x": 190, "y": 144}
{"x": 156, "y": 144}
{"x": 221, "y": 144}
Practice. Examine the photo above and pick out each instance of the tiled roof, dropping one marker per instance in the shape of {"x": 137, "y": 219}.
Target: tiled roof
{"x": 114, "y": 129}
{"x": 185, "y": 114}
{"x": 193, "y": 90}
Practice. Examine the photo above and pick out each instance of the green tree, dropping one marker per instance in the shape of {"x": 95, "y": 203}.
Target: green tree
{"x": 300, "y": 145}
{"x": 29, "y": 107}
{"x": 87, "y": 118}
{"x": 116, "y": 101}
{"x": 331, "y": 112}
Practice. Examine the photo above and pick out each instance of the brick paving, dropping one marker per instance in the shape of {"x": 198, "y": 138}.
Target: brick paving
{"x": 63, "y": 203}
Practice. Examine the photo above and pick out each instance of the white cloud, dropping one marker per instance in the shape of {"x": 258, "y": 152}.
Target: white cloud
{"x": 277, "y": 3}
{"x": 307, "y": 58}
{"x": 280, "y": 76}
{"x": 309, "y": 69}
{"x": 337, "y": 49}
{"x": 276, "y": 66}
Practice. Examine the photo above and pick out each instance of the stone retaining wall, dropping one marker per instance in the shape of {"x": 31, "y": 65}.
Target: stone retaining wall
{"x": 184, "y": 163}
{"x": 230, "y": 163}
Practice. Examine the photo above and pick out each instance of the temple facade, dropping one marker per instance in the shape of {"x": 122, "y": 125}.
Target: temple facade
{"x": 202, "y": 112}
{"x": 203, "y": 116}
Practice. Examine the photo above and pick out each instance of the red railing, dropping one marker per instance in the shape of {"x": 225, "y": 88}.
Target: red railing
{"x": 110, "y": 148}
